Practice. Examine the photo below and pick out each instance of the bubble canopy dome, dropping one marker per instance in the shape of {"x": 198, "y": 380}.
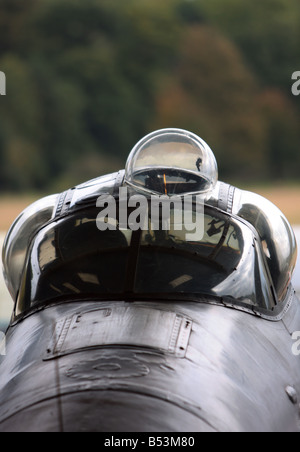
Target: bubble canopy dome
{"x": 172, "y": 162}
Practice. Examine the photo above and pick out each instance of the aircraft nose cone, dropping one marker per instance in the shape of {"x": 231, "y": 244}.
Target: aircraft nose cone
{"x": 105, "y": 411}
{"x": 119, "y": 411}
{"x": 216, "y": 374}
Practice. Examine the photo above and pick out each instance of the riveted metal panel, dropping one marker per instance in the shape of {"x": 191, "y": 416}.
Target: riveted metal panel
{"x": 141, "y": 327}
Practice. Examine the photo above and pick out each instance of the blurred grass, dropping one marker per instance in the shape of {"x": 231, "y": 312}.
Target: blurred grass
{"x": 285, "y": 197}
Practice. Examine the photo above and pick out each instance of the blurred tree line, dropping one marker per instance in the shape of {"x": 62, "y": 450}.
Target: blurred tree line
{"x": 87, "y": 79}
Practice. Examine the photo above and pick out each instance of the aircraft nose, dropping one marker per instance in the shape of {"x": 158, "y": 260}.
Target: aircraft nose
{"x": 214, "y": 376}
{"x": 121, "y": 411}
{"x": 105, "y": 411}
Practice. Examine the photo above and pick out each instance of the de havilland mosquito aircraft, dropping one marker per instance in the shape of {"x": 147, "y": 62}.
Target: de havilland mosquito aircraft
{"x": 126, "y": 321}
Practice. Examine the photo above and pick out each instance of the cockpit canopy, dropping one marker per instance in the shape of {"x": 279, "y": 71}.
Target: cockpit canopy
{"x": 71, "y": 259}
{"x": 245, "y": 253}
{"x": 172, "y": 161}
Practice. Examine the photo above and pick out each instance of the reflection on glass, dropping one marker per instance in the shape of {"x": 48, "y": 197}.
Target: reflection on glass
{"x": 73, "y": 259}
{"x": 172, "y": 161}
{"x": 223, "y": 263}
{"x": 18, "y": 239}
{"x": 277, "y": 237}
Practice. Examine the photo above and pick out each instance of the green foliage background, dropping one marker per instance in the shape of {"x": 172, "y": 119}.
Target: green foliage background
{"x": 87, "y": 79}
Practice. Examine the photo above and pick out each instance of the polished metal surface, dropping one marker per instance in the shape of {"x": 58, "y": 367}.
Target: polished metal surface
{"x": 276, "y": 234}
{"x": 18, "y": 239}
{"x": 159, "y": 335}
{"x": 232, "y": 374}
{"x": 97, "y": 328}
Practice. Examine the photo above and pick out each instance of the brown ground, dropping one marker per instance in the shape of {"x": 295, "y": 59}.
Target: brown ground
{"x": 11, "y": 207}
{"x": 286, "y": 198}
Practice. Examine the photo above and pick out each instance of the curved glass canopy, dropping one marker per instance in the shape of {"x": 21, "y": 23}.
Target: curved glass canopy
{"x": 48, "y": 256}
{"x": 72, "y": 259}
{"x": 172, "y": 161}
{"x": 18, "y": 239}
